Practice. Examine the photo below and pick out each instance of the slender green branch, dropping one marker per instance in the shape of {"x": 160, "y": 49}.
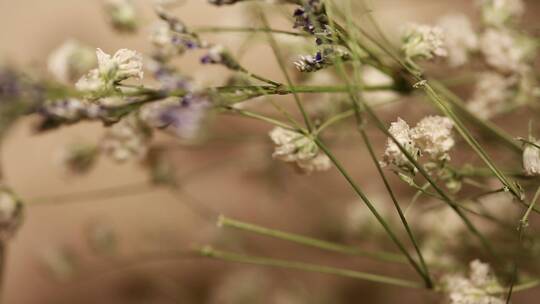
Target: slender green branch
{"x": 209, "y": 252}
{"x": 308, "y": 241}
{"x": 373, "y": 210}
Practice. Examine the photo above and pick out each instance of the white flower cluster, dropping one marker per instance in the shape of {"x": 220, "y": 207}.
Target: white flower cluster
{"x": 499, "y": 12}
{"x": 505, "y": 50}
{"x": 127, "y": 139}
{"x": 70, "y": 61}
{"x": 491, "y": 95}
{"x": 423, "y": 42}
{"x": 122, "y": 14}
{"x": 459, "y": 37}
{"x": 295, "y": 147}
{"x": 432, "y": 135}
{"x": 111, "y": 70}
{"x": 477, "y": 288}
{"x": 531, "y": 159}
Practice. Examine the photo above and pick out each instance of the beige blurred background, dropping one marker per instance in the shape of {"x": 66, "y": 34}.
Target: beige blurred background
{"x": 155, "y": 219}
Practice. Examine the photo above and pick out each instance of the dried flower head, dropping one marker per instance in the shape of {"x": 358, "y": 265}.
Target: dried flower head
{"x": 433, "y": 136}
{"x": 111, "y": 70}
{"x": 122, "y": 14}
{"x": 477, "y": 288}
{"x": 492, "y": 94}
{"x": 506, "y": 51}
{"x": 127, "y": 139}
{"x": 531, "y": 159}
{"x": 459, "y": 37}
{"x": 71, "y": 60}
{"x": 292, "y": 146}
{"x": 500, "y": 12}
{"x": 423, "y": 42}
{"x": 401, "y": 131}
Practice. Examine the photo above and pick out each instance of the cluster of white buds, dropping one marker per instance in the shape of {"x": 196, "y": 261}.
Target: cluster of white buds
{"x": 423, "y": 42}
{"x": 292, "y": 146}
{"x": 506, "y": 51}
{"x": 459, "y": 37}
{"x": 122, "y": 14}
{"x": 479, "y": 287}
{"x": 431, "y": 136}
{"x": 127, "y": 139}
{"x": 11, "y": 210}
{"x": 531, "y": 158}
{"x": 500, "y": 12}
{"x": 111, "y": 70}
{"x": 70, "y": 61}
{"x": 491, "y": 95}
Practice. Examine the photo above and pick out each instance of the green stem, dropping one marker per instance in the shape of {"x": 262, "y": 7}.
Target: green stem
{"x": 308, "y": 241}
{"x": 209, "y": 252}
{"x": 373, "y": 210}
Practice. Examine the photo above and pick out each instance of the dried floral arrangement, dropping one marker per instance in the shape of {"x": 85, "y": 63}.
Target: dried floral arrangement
{"x": 464, "y": 232}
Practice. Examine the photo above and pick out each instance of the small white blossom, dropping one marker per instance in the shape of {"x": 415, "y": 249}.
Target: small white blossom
{"x": 460, "y": 38}
{"x": 127, "y": 139}
{"x": 477, "y": 288}
{"x": 70, "y": 61}
{"x": 491, "y": 95}
{"x": 392, "y": 154}
{"x": 433, "y": 135}
{"x": 506, "y": 51}
{"x": 499, "y": 12}
{"x": 423, "y": 42}
{"x": 531, "y": 159}
{"x": 295, "y": 147}
{"x": 122, "y": 65}
{"x": 122, "y": 14}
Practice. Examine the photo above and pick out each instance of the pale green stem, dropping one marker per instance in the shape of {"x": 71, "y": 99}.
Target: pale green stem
{"x": 308, "y": 241}
{"x": 373, "y": 210}
{"x": 209, "y": 252}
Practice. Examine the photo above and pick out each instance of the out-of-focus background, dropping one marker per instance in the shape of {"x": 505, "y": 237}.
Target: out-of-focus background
{"x": 50, "y": 260}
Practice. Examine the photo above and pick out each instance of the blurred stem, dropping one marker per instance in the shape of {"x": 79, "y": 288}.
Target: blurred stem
{"x": 247, "y": 30}
{"x": 281, "y": 63}
{"x": 209, "y": 252}
{"x": 308, "y": 241}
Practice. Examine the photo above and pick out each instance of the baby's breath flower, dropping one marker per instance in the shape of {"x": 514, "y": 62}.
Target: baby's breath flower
{"x": 433, "y": 135}
{"x": 531, "y": 159}
{"x": 423, "y": 42}
{"x": 111, "y": 70}
{"x": 127, "y": 139}
{"x": 459, "y": 37}
{"x": 477, "y": 288}
{"x": 392, "y": 154}
{"x": 71, "y": 60}
{"x": 292, "y": 146}
{"x": 11, "y": 210}
{"x": 500, "y": 12}
{"x": 492, "y": 94}
{"x": 122, "y": 14}
{"x": 506, "y": 51}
